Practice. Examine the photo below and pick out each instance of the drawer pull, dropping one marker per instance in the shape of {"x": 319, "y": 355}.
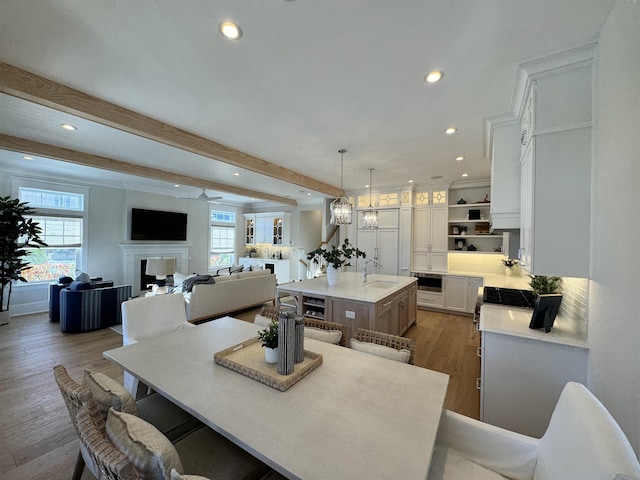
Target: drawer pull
{"x": 479, "y": 383}
{"x": 479, "y": 351}
{"x": 387, "y": 304}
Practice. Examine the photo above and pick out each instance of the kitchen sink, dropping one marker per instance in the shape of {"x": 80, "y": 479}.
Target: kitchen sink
{"x": 380, "y": 284}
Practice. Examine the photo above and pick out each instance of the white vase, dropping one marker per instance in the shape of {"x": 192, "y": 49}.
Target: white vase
{"x": 332, "y": 275}
{"x": 271, "y": 355}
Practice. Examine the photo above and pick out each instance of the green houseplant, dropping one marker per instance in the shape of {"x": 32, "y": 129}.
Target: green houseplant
{"x": 17, "y": 234}
{"x": 269, "y": 339}
{"x": 337, "y": 257}
{"x": 544, "y": 285}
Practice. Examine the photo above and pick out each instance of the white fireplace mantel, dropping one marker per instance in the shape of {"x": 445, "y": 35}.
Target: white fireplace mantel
{"x": 133, "y": 253}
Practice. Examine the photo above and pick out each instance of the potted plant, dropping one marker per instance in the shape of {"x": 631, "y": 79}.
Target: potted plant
{"x": 336, "y": 258}
{"x": 509, "y": 264}
{"x": 543, "y": 285}
{"x": 269, "y": 339}
{"x": 17, "y": 234}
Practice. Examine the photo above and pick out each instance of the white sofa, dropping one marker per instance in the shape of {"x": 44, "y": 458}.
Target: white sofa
{"x": 583, "y": 442}
{"x": 230, "y": 293}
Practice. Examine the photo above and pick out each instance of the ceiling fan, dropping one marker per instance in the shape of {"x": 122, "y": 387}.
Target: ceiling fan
{"x": 205, "y": 197}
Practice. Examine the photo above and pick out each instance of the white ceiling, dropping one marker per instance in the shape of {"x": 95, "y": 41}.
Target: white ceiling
{"x": 307, "y": 78}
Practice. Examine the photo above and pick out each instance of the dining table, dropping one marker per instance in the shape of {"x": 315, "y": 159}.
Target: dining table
{"x": 354, "y": 416}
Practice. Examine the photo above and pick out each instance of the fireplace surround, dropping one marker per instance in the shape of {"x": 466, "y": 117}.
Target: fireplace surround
{"x": 134, "y": 253}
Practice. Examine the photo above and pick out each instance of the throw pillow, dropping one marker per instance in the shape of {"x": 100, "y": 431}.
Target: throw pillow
{"x": 109, "y": 393}
{"x": 402, "y": 355}
{"x": 150, "y": 452}
{"x": 65, "y": 280}
{"x": 82, "y": 277}
{"x": 176, "y": 476}
{"x": 328, "y": 336}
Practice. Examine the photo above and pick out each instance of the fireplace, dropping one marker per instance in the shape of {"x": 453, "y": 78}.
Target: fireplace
{"x": 135, "y": 253}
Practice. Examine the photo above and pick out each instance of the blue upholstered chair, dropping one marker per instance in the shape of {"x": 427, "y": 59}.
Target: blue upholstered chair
{"x": 93, "y": 309}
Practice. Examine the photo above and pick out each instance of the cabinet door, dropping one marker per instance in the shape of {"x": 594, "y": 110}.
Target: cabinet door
{"x": 404, "y": 247}
{"x": 456, "y": 293}
{"x": 412, "y": 307}
{"x": 472, "y": 296}
{"x": 421, "y": 230}
{"x": 439, "y": 228}
{"x": 263, "y": 230}
{"x": 438, "y": 261}
{"x": 526, "y": 207}
{"x": 387, "y": 241}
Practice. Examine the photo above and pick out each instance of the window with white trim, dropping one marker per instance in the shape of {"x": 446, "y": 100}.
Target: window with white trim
{"x": 60, "y": 215}
{"x": 222, "y": 239}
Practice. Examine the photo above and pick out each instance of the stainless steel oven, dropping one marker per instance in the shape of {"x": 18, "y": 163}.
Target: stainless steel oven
{"x": 431, "y": 282}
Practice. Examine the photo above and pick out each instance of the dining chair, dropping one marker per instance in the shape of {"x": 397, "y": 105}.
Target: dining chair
{"x": 385, "y": 345}
{"x": 129, "y": 448}
{"x": 146, "y": 317}
{"x": 100, "y": 392}
{"x": 582, "y": 441}
{"x": 322, "y": 330}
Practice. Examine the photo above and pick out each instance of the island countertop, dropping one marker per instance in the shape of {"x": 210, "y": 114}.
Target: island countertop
{"x": 351, "y": 287}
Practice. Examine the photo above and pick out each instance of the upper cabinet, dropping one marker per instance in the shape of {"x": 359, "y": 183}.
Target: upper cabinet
{"x": 273, "y": 228}
{"x": 505, "y": 175}
{"x": 430, "y": 231}
{"x": 556, "y": 171}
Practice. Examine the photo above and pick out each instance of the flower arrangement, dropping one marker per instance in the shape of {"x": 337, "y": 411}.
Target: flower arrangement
{"x": 269, "y": 336}
{"x": 337, "y": 257}
{"x": 509, "y": 262}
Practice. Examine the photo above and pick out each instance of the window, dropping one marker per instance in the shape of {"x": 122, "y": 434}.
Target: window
{"x": 222, "y": 239}
{"x": 60, "y": 216}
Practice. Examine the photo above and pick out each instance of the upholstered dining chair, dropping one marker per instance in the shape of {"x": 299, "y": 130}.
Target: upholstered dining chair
{"x": 322, "y": 330}
{"x": 129, "y": 448}
{"x": 385, "y": 345}
{"x": 146, "y": 317}
{"x": 582, "y": 441}
{"x": 100, "y": 392}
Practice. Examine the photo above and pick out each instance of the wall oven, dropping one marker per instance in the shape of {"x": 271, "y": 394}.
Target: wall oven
{"x": 431, "y": 282}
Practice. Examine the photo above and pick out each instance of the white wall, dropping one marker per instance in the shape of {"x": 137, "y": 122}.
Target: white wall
{"x": 614, "y": 310}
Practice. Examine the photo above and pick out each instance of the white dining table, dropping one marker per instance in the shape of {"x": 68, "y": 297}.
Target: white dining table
{"x": 354, "y": 416}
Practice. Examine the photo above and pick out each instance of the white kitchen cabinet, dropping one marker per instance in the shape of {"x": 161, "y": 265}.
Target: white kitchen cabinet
{"x": 456, "y": 293}
{"x": 427, "y": 298}
{"x": 249, "y": 228}
{"x": 430, "y": 239}
{"x": 556, "y": 174}
{"x": 505, "y": 176}
{"x": 387, "y": 241}
{"x": 273, "y": 228}
{"x": 404, "y": 247}
{"x": 523, "y": 370}
{"x": 473, "y": 285}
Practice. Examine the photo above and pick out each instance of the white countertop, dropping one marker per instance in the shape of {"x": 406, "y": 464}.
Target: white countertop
{"x": 521, "y": 282}
{"x": 350, "y": 286}
{"x": 265, "y": 259}
{"x": 515, "y": 321}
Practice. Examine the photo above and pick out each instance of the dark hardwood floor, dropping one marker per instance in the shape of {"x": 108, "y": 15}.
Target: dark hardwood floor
{"x": 38, "y": 442}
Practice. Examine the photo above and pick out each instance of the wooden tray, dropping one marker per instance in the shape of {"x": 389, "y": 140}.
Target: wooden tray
{"x": 247, "y": 358}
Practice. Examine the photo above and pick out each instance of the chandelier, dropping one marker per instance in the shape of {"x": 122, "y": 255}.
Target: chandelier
{"x": 370, "y": 215}
{"x": 341, "y": 209}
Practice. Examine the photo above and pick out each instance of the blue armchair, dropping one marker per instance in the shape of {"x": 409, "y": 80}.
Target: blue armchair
{"x": 86, "y": 310}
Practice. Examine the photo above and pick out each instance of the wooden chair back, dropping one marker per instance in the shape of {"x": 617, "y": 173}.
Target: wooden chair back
{"x": 388, "y": 340}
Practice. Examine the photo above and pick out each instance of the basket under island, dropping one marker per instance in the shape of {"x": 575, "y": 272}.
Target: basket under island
{"x": 385, "y": 303}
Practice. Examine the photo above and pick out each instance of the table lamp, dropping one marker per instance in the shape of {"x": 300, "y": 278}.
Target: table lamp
{"x": 160, "y": 267}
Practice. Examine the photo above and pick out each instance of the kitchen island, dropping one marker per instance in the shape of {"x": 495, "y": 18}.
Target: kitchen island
{"x": 385, "y": 303}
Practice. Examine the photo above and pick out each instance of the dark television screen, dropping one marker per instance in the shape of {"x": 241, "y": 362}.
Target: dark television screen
{"x": 545, "y": 311}
{"x": 157, "y": 225}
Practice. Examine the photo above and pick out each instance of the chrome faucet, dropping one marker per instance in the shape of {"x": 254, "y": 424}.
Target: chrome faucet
{"x": 365, "y": 273}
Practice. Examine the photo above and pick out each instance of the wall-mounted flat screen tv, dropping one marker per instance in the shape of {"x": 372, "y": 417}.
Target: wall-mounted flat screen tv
{"x": 158, "y": 225}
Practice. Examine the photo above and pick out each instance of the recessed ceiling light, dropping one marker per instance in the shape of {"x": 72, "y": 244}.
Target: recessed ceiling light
{"x": 176, "y": 185}
{"x": 309, "y": 194}
{"x": 460, "y": 157}
{"x": 230, "y": 30}
{"x": 451, "y": 130}
{"x": 436, "y": 177}
{"x": 433, "y": 77}
{"x": 27, "y": 157}
{"x": 68, "y": 126}
{"x": 237, "y": 174}
{"x": 464, "y": 175}
{"x": 410, "y": 181}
